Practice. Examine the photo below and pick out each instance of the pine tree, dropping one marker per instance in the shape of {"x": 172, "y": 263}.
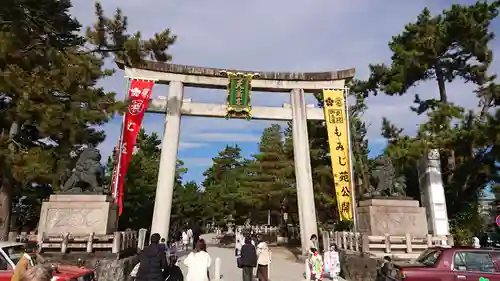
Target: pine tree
{"x": 443, "y": 48}
{"x": 221, "y": 186}
{"x": 50, "y": 101}
{"x": 266, "y": 184}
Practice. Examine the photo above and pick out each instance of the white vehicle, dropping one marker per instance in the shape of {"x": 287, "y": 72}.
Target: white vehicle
{"x": 12, "y": 252}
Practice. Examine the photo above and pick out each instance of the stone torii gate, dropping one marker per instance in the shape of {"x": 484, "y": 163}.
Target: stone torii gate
{"x": 180, "y": 76}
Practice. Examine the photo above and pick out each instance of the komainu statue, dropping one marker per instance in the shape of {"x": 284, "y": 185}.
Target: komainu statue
{"x": 87, "y": 175}
{"x": 383, "y": 180}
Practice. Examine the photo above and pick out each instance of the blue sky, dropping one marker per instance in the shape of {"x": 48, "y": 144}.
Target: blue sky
{"x": 278, "y": 35}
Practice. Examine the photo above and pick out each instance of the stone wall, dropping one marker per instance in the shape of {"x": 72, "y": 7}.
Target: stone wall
{"x": 356, "y": 267}
{"x": 106, "y": 266}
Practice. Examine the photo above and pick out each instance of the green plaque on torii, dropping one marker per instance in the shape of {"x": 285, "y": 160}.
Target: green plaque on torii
{"x": 239, "y": 89}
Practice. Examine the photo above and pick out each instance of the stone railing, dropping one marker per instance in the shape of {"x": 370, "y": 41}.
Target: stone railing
{"x": 117, "y": 243}
{"x": 403, "y": 247}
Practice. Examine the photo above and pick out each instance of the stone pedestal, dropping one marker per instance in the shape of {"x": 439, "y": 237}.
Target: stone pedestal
{"x": 78, "y": 214}
{"x": 391, "y": 216}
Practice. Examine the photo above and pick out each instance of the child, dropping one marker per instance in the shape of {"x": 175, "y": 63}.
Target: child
{"x": 172, "y": 250}
{"x": 185, "y": 240}
{"x": 316, "y": 264}
{"x": 332, "y": 262}
{"x": 173, "y": 271}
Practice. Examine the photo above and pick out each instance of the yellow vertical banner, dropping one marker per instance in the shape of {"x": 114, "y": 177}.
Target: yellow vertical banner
{"x": 338, "y": 139}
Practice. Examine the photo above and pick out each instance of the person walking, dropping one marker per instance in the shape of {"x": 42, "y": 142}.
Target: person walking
{"x": 163, "y": 245}
{"x": 387, "y": 270}
{"x": 316, "y": 263}
{"x": 196, "y": 234}
{"x": 173, "y": 271}
{"x": 238, "y": 243}
{"x": 314, "y": 243}
{"x": 190, "y": 237}
{"x": 152, "y": 261}
{"x": 332, "y": 262}
{"x": 247, "y": 259}
{"x": 185, "y": 240}
{"x": 263, "y": 261}
{"x": 198, "y": 263}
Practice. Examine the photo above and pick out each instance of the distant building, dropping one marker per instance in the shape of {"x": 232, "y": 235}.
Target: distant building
{"x": 488, "y": 207}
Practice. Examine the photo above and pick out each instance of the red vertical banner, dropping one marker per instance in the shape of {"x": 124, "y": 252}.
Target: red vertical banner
{"x": 139, "y": 94}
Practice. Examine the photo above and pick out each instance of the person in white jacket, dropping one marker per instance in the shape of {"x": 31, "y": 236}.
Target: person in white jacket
{"x": 185, "y": 240}
{"x": 238, "y": 243}
{"x": 263, "y": 261}
{"x": 198, "y": 263}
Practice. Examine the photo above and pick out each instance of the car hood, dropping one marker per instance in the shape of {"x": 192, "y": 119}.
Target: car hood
{"x": 70, "y": 271}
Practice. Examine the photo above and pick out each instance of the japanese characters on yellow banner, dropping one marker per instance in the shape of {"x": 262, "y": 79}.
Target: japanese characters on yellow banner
{"x": 338, "y": 138}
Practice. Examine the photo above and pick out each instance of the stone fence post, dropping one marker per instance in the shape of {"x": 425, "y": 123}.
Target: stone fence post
{"x": 217, "y": 270}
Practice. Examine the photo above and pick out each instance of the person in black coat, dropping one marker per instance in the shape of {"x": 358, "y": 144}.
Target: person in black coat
{"x": 152, "y": 261}
{"x": 196, "y": 234}
{"x": 173, "y": 271}
{"x": 248, "y": 259}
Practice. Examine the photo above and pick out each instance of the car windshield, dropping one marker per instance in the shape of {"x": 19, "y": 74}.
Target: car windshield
{"x": 14, "y": 252}
{"x": 429, "y": 257}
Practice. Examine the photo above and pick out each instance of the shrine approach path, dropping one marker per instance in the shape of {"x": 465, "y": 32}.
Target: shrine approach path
{"x": 283, "y": 266}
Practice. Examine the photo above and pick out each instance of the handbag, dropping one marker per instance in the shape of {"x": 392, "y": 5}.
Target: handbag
{"x": 238, "y": 262}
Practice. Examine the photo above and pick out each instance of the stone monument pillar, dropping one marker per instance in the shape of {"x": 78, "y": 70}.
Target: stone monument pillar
{"x": 432, "y": 193}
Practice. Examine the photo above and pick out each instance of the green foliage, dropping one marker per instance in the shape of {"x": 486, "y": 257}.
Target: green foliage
{"x": 50, "y": 107}
{"x": 269, "y": 177}
{"x": 442, "y": 48}
{"x": 140, "y": 182}
{"x": 221, "y": 185}
{"x": 188, "y": 205}
{"x": 140, "y": 188}
{"x": 108, "y": 36}
{"x": 50, "y": 104}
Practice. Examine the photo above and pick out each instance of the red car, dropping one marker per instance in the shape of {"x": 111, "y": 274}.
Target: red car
{"x": 453, "y": 264}
{"x": 11, "y": 253}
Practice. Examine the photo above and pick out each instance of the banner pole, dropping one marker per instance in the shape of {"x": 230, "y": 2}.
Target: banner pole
{"x": 120, "y": 149}
{"x": 353, "y": 187}
{"x": 118, "y": 162}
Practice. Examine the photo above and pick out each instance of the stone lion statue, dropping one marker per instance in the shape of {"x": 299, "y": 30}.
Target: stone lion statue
{"x": 87, "y": 175}
{"x": 383, "y": 181}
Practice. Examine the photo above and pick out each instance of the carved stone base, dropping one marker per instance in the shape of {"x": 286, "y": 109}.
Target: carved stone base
{"x": 394, "y": 217}
{"x": 78, "y": 214}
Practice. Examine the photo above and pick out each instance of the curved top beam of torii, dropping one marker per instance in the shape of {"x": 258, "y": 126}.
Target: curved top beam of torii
{"x": 207, "y": 77}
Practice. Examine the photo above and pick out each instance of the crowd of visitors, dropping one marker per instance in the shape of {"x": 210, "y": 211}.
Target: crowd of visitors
{"x": 252, "y": 253}
{"x": 159, "y": 262}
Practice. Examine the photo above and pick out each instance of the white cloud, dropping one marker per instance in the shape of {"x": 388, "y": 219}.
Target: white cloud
{"x": 288, "y": 35}
{"x": 197, "y": 161}
{"x": 190, "y": 145}
{"x": 225, "y": 137}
